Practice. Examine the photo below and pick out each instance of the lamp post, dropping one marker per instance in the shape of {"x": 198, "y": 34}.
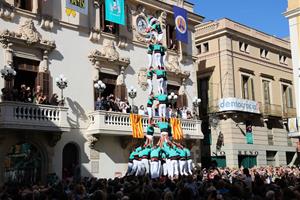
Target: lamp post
{"x": 8, "y": 74}
{"x": 61, "y": 83}
{"x": 132, "y": 94}
{"x": 196, "y": 104}
{"x": 172, "y": 98}
{"x": 100, "y": 86}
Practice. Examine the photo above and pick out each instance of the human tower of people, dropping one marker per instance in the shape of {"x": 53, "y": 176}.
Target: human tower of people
{"x": 167, "y": 157}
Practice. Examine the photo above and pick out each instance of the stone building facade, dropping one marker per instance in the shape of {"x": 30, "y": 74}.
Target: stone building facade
{"x": 246, "y": 78}
{"x": 41, "y": 40}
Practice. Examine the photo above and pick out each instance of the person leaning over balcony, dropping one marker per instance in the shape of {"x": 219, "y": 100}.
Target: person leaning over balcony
{"x": 54, "y": 100}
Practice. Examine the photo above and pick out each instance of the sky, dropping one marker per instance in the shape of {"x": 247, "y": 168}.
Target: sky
{"x": 263, "y": 15}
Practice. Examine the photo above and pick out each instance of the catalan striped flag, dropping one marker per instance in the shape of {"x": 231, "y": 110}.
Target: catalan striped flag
{"x": 176, "y": 129}
{"x": 137, "y": 127}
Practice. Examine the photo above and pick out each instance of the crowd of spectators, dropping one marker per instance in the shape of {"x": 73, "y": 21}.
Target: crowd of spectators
{"x": 28, "y": 95}
{"x": 263, "y": 183}
{"x": 110, "y": 103}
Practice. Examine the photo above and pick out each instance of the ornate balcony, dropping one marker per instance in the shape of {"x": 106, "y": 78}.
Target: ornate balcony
{"x": 27, "y": 116}
{"x": 115, "y": 123}
{"x": 271, "y": 110}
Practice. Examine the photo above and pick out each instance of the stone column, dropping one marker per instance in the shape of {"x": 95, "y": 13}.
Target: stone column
{"x": 9, "y": 55}
{"x": 44, "y": 63}
{"x": 35, "y": 6}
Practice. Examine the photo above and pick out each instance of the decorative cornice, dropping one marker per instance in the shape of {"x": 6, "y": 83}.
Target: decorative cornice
{"x": 27, "y": 35}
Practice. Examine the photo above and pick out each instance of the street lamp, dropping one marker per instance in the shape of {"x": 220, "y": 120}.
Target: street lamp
{"x": 100, "y": 86}
{"x": 132, "y": 94}
{"x": 196, "y": 104}
{"x": 8, "y": 73}
{"x": 61, "y": 83}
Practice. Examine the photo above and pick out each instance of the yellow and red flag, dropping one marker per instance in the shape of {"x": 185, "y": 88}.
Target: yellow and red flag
{"x": 137, "y": 126}
{"x": 177, "y": 132}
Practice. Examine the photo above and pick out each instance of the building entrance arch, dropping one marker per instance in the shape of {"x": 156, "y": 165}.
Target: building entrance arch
{"x": 71, "y": 167}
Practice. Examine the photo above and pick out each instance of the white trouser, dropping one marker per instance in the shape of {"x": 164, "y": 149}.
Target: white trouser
{"x": 160, "y": 85}
{"x": 129, "y": 169}
{"x": 162, "y": 109}
{"x": 182, "y": 164}
{"x": 149, "y": 60}
{"x": 189, "y": 166}
{"x": 140, "y": 169}
{"x": 165, "y": 169}
{"x": 154, "y": 169}
{"x": 169, "y": 168}
{"x": 164, "y": 86}
{"x": 150, "y": 86}
{"x": 134, "y": 167}
{"x": 158, "y": 37}
{"x": 150, "y": 112}
{"x": 174, "y": 164}
{"x": 157, "y": 58}
{"x": 145, "y": 162}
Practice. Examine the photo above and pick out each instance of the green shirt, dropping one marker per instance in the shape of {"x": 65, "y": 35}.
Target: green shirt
{"x": 131, "y": 156}
{"x": 157, "y": 48}
{"x": 162, "y": 125}
{"x": 150, "y": 48}
{"x": 144, "y": 152}
{"x": 150, "y": 130}
{"x": 187, "y": 151}
{"x": 181, "y": 152}
{"x": 162, "y": 98}
{"x": 173, "y": 152}
{"x": 161, "y": 73}
{"x": 150, "y": 102}
{"x": 155, "y": 152}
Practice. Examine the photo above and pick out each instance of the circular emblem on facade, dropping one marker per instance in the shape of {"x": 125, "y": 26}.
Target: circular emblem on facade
{"x": 181, "y": 25}
{"x": 141, "y": 24}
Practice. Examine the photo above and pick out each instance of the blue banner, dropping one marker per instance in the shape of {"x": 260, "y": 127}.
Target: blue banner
{"x": 115, "y": 11}
{"x": 180, "y": 17}
{"x": 81, "y": 6}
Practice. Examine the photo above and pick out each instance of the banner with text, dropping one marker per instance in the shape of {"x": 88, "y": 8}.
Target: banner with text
{"x": 115, "y": 11}
{"x": 80, "y": 6}
{"x": 180, "y": 16}
{"x": 236, "y": 104}
{"x": 293, "y": 127}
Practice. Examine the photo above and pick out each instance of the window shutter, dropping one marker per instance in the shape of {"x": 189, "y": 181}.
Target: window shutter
{"x": 252, "y": 89}
{"x": 102, "y": 17}
{"x": 43, "y": 79}
{"x": 290, "y": 97}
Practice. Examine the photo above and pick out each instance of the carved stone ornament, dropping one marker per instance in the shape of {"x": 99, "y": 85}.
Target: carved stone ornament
{"x": 92, "y": 140}
{"x": 26, "y": 35}
{"x": 6, "y": 11}
{"x": 95, "y": 35}
{"x": 173, "y": 66}
{"x": 163, "y": 19}
{"x": 142, "y": 78}
{"x": 122, "y": 44}
{"x": 53, "y": 139}
{"x": 47, "y": 22}
{"x": 139, "y": 18}
{"x": 108, "y": 53}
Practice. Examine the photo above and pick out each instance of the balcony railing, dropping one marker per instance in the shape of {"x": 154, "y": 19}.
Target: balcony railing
{"x": 271, "y": 110}
{"x": 289, "y": 112}
{"x": 115, "y": 123}
{"x": 18, "y": 115}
